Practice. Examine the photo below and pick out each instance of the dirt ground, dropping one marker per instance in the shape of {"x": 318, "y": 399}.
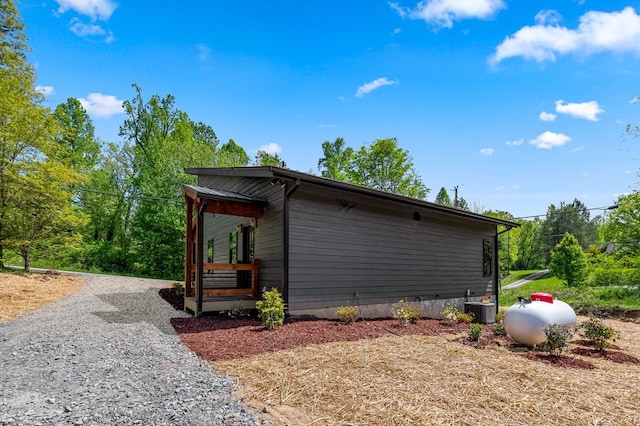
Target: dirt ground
{"x": 22, "y": 293}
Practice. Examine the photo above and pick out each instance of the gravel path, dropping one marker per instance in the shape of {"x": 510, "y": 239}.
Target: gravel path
{"x": 109, "y": 356}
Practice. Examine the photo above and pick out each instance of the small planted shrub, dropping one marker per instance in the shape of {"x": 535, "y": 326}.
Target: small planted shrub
{"x": 271, "y": 309}
{"x": 405, "y": 313}
{"x": 465, "y": 317}
{"x": 598, "y": 332}
{"x": 500, "y": 317}
{"x": 499, "y": 330}
{"x": 178, "y": 288}
{"x": 450, "y": 314}
{"x": 235, "y": 311}
{"x": 557, "y": 337}
{"x": 348, "y": 314}
{"x": 475, "y": 331}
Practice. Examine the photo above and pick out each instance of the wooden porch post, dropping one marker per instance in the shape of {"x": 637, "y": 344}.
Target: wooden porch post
{"x": 188, "y": 245}
{"x": 199, "y": 257}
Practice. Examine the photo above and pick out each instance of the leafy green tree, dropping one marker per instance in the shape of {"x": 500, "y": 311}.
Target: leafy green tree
{"x": 568, "y": 261}
{"x": 164, "y": 141}
{"x": 263, "y": 158}
{"x": 623, "y": 225}
{"x": 337, "y": 159}
{"x": 506, "y": 250}
{"x": 443, "y": 198}
{"x": 231, "y": 154}
{"x": 30, "y": 196}
{"x": 385, "y": 166}
{"x": 77, "y": 144}
{"x": 530, "y": 247}
{"x": 573, "y": 218}
{"x": 382, "y": 165}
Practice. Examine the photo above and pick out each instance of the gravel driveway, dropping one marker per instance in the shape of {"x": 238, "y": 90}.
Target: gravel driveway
{"x": 109, "y": 356}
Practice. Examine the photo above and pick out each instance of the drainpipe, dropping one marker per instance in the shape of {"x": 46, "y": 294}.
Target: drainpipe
{"x": 285, "y": 241}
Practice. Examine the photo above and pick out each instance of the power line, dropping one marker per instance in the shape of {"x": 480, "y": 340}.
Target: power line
{"x": 613, "y": 207}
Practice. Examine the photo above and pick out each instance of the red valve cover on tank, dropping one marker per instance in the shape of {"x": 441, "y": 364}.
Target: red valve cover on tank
{"x": 542, "y": 297}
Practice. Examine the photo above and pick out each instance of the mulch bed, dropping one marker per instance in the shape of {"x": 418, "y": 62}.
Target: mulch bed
{"x": 218, "y": 337}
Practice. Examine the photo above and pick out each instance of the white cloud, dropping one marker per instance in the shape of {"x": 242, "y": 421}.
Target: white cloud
{"x": 548, "y": 140}
{"x": 547, "y": 116}
{"x": 102, "y": 106}
{"x": 373, "y": 85}
{"x": 548, "y": 16}
{"x": 587, "y": 110}
{"x": 635, "y": 100}
{"x": 82, "y": 30}
{"x": 515, "y": 142}
{"x": 326, "y": 126}
{"x": 272, "y": 148}
{"x": 45, "y": 90}
{"x": 442, "y": 13}
{"x": 487, "y": 152}
{"x": 95, "y": 9}
{"x": 597, "y": 32}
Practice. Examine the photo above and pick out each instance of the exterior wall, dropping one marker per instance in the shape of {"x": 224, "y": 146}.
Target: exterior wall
{"x": 342, "y": 247}
{"x": 269, "y": 228}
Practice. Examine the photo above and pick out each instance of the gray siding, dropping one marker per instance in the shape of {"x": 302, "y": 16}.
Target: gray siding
{"x": 379, "y": 251}
{"x": 269, "y": 229}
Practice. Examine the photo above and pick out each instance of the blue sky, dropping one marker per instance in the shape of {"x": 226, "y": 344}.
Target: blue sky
{"x": 519, "y": 104}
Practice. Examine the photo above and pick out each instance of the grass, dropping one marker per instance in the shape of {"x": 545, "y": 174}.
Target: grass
{"x": 584, "y": 300}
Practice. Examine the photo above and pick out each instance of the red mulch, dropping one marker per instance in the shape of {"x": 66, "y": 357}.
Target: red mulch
{"x": 559, "y": 360}
{"x": 220, "y": 337}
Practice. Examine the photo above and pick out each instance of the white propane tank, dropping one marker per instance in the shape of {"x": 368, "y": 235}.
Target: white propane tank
{"x": 525, "y": 321}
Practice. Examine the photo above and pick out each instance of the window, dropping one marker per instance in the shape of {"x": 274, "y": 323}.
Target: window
{"x": 487, "y": 258}
{"x": 210, "y": 251}
{"x": 233, "y": 247}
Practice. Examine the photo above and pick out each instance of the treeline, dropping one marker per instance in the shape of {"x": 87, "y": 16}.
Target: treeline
{"x": 70, "y": 200}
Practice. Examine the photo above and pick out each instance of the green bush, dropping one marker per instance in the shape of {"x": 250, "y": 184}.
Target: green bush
{"x": 450, "y": 314}
{"x": 598, "y": 332}
{"x": 465, "y": 317}
{"x": 557, "y": 337}
{"x": 475, "y": 331}
{"x": 178, "y": 288}
{"x": 271, "y": 309}
{"x": 348, "y": 314}
{"x": 405, "y": 313}
{"x": 499, "y": 330}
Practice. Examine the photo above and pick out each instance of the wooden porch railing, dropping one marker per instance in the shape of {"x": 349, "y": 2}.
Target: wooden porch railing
{"x": 253, "y": 267}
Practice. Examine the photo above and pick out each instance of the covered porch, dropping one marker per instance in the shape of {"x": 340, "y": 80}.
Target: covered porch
{"x": 212, "y": 285}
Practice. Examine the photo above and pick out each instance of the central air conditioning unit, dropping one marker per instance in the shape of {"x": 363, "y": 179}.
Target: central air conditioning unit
{"x": 483, "y": 313}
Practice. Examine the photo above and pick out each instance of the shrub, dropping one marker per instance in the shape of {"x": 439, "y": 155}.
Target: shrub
{"x": 405, "y": 313}
{"x": 348, "y": 314}
{"x": 598, "y": 332}
{"x": 475, "y": 331}
{"x": 450, "y": 314}
{"x": 464, "y": 317}
{"x": 568, "y": 261}
{"x": 178, "y": 288}
{"x": 235, "y": 311}
{"x": 557, "y": 337}
{"x": 500, "y": 317}
{"x": 499, "y": 330}
{"x": 271, "y": 309}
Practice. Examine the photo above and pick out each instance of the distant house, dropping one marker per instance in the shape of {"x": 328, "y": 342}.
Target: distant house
{"x": 325, "y": 243}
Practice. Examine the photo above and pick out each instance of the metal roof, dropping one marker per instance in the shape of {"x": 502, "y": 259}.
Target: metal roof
{"x": 219, "y": 194}
{"x": 292, "y": 175}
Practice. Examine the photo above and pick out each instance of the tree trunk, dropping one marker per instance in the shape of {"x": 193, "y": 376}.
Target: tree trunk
{"x": 25, "y": 253}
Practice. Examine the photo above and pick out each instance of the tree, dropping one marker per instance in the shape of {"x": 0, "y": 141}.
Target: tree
{"x": 568, "y": 261}
{"x": 231, "y": 154}
{"x": 383, "y": 165}
{"x": 623, "y": 225}
{"x": 530, "y": 248}
{"x": 263, "y": 158}
{"x": 30, "y": 173}
{"x": 77, "y": 144}
{"x": 337, "y": 159}
{"x": 443, "y": 198}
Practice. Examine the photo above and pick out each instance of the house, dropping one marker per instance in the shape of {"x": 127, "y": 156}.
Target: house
{"x": 324, "y": 244}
